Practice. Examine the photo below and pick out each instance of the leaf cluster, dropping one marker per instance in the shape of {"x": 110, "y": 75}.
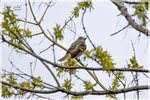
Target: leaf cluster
{"x": 70, "y": 63}
{"x": 88, "y": 85}
{"x": 116, "y": 83}
{"x": 81, "y": 5}
{"x": 141, "y": 10}
{"x": 76, "y": 98}
{"x": 7, "y": 91}
{"x": 58, "y": 32}
{"x": 101, "y": 56}
{"x": 67, "y": 84}
{"x": 134, "y": 64}
{"x": 11, "y": 29}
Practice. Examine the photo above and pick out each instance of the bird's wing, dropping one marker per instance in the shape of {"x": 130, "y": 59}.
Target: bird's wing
{"x": 82, "y": 47}
{"x": 73, "y": 48}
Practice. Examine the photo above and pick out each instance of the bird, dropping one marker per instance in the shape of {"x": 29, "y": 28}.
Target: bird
{"x": 76, "y": 49}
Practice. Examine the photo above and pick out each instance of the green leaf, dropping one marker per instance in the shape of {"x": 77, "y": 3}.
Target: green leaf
{"x": 59, "y": 70}
{"x": 58, "y": 32}
{"x": 88, "y": 85}
{"x": 75, "y": 12}
{"x": 27, "y": 33}
{"x": 81, "y": 5}
{"x": 76, "y": 98}
{"x": 71, "y": 63}
{"x": 37, "y": 80}
{"x": 67, "y": 84}
{"x": 146, "y": 5}
{"x": 6, "y": 92}
{"x": 87, "y": 53}
{"x": 116, "y": 82}
{"x": 11, "y": 79}
{"x": 85, "y": 4}
{"x": 25, "y": 84}
{"x": 11, "y": 28}
{"x": 133, "y": 63}
{"x": 103, "y": 57}
{"x": 141, "y": 10}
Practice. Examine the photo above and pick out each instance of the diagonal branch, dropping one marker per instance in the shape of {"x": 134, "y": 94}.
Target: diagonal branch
{"x": 129, "y": 18}
{"x": 84, "y": 29}
{"x": 48, "y": 5}
{"x": 120, "y": 30}
{"x": 34, "y": 55}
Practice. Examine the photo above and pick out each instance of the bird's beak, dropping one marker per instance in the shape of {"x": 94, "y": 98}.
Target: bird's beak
{"x": 85, "y": 38}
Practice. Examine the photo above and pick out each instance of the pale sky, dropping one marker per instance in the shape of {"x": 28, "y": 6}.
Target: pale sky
{"x": 100, "y": 23}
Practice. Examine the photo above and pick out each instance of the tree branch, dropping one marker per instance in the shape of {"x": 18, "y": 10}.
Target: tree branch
{"x": 48, "y": 5}
{"x": 25, "y": 21}
{"x": 77, "y": 67}
{"x": 120, "y": 30}
{"x": 142, "y": 87}
{"x": 42, "y": 60}
{"x": 129, "y": 18}
{"x": 133, "y": 2}
{"x": 84, "y": 29}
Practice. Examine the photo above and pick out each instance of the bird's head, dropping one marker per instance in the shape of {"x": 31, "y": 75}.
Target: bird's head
{"x": 82, "y": 38}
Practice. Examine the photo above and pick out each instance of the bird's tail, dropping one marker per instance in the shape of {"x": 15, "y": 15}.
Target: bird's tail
{"x": 63, "y": 58}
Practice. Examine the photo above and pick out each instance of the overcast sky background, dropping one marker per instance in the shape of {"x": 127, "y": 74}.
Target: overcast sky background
{"x": 100, "y": 23}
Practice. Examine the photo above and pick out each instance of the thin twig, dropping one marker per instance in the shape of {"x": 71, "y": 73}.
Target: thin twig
{"x": 82, "y": 21}
{"x": 48, "y": 5}
{"x": 67, "y": 21}
{"x": 21, "y": 20}
{"x": 53, "y": 49}
{"x": 120, "y": 30}
{"x": 46, "y": 48}
{"x": 136, "y": 73}
{"x": 36, "y": 34}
